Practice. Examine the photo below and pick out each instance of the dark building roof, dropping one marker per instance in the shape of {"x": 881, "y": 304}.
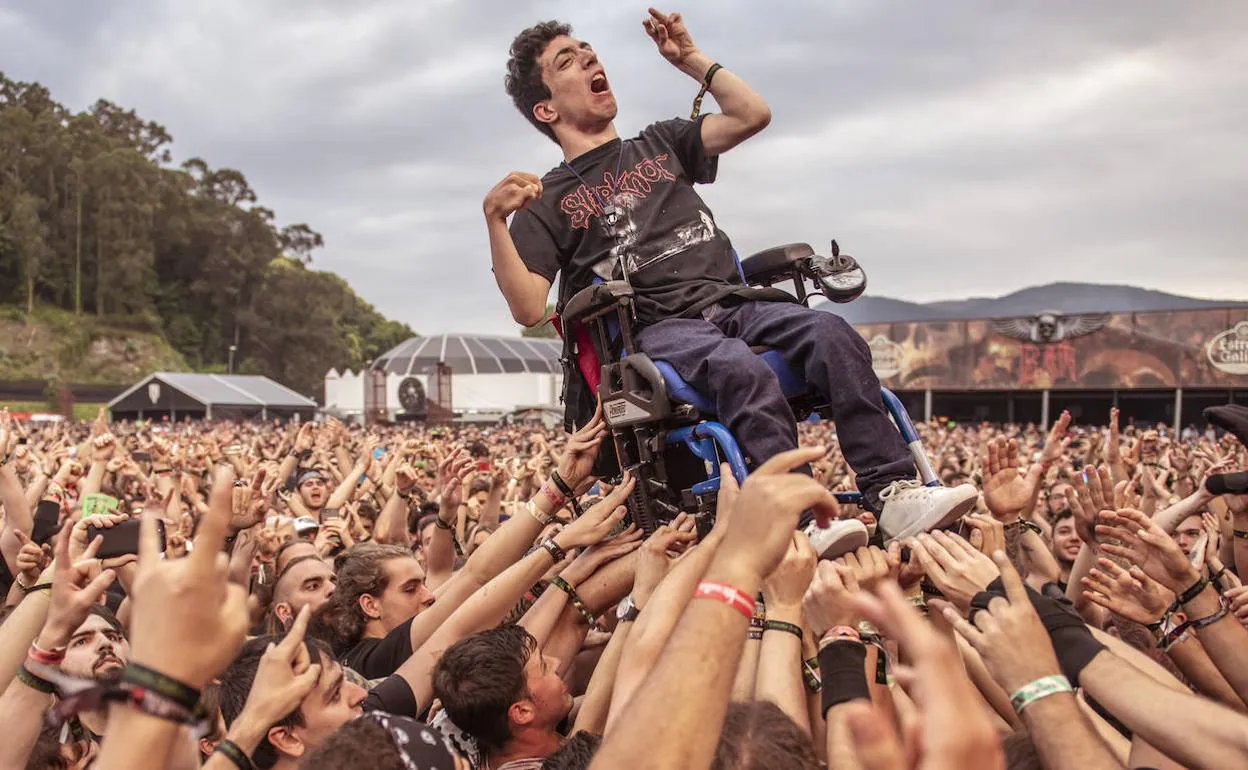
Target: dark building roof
{"x": 184, "y": 390}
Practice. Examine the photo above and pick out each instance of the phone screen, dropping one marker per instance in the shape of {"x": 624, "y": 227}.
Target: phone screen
{"x": 47, "y": 521}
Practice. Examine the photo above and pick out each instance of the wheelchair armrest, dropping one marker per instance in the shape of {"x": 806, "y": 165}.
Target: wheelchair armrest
{"x": 594, "y": 300}
{"x": 774, "y": 265}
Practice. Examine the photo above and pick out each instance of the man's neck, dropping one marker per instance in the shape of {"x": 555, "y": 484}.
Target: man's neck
{"x": 95, "y": 721}
{"x": 526, "y": 744}
{"x": 577, "y": 143}
{"x": 1063, "y": 570}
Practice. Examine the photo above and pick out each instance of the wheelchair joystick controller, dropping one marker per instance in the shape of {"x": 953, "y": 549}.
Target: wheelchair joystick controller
{"x": 840, "y": 278}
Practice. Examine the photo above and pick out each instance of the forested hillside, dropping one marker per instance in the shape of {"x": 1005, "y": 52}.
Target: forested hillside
{"x": 95, "y": 220}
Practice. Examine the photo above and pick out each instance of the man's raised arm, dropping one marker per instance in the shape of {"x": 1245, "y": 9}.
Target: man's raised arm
{"x": 525, "y": 291}
{"x": 744, "y": 113}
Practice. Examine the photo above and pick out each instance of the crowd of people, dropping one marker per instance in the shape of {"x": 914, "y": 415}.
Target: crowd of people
{"x": 317, "y": 595}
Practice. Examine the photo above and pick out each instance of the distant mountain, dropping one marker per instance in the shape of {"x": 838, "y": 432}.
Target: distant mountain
{"x": 1062, "y": 297}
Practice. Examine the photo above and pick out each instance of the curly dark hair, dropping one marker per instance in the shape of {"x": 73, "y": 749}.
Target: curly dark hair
{"x": 479, "y": 677}
{"x": 524, "y": 73}
{"x": 360, "y": 571}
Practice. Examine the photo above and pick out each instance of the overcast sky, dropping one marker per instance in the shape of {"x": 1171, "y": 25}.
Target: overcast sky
{"x": 956, "y": 148}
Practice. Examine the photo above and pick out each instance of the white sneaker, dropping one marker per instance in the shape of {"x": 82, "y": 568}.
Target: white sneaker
{"x": 910, "y": 508}
{"x": 838, "y": 538}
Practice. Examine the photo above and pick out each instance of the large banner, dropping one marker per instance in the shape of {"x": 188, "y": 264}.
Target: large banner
{"x": 1091, "y": 351}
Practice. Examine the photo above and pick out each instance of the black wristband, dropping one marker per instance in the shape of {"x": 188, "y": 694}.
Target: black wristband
{"x": 1193, "y": 591}
{"x": 230, "y": 750}
{"x": 437, "y": 522}
{"x": 560, "y": 484}
{"x": 780, "y": 625}
{"x": 843, "y": 673}
{"x": 552, "y": 548}
{"x": 180, "y": 693}
{"x": 1072, "y": 640}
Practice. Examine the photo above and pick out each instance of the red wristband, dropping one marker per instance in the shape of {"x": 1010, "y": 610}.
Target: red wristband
{"x": 726, "y": 594}
{"x": 557, "y": 500}
{"x": 46, "y": 657}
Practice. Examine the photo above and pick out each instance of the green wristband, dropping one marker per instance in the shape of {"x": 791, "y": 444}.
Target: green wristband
{"x": 1041, "y": 688}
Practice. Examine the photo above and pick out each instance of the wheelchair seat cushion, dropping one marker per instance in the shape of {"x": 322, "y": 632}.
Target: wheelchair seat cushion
{"x": 791, "y": 383}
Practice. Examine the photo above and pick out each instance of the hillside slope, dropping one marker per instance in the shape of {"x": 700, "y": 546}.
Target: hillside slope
{"x": 55, "y": 344}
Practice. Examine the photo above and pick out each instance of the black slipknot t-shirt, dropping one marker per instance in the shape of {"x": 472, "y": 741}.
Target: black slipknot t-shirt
{"x": 631, "y": 202}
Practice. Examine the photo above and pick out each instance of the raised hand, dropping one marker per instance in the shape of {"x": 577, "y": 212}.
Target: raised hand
{"x": 951, "y": 728}
{"x": 596, "y": 523}
{"x": 1008, "y": 635}
{"x": 582, "y": 449}
{"x": 588, "y": 561}
{"x": 670, "y": 36}
{"x": 1129, "y": 593}
{"x": 1145, "y": 544}
{"x": 829, "y": 599}
{"x": 75, "y": 587}
{"x": 869, "y": 565}
{"x": 987, "y": 533}
{"x": 1090, "y": 493}
{"x": 767, "y": 509}
{"x": 1113, "y": 445}
{"x": 248, "y": 504}
{"x": 654, "y": 561}
{"x": 1057, "y": 441}
{"x": 784, "y": 588}
{"x": 954, "y": 566}
{"x": 1007, "y": 491}
{"x": 514, "y": 193}
{"x": 188, "y": 620}
{"x": 284, "y": 677}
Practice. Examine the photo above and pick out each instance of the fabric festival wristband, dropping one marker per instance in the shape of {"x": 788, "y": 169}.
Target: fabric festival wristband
{"x": 556, "y": 500}
{"x": 552, "y": 548}
{"x": 231, "y": 751}
{"x": 567, "y": 588}
{"x": 180, "y": 693}
{"x": 726, "y": 594}
{"x": 844, "y": 678}
{"x": 1041, "y": 688}
{"x": 1193, "y": 591}
{"x": 34, "y": 681}
{"x": 788, "y": 628}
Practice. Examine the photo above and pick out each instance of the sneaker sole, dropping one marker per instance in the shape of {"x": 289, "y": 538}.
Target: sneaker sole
{"x": 927, "y": 525}
{"x": 847, "y": 543}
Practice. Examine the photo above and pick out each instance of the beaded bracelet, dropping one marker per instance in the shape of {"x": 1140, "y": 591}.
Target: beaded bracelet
{"x": 567, "y": 588}
{"x": 1040, "y": 688}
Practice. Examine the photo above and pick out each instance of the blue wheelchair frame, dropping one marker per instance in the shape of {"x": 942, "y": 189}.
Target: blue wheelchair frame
{"x": 707, "y": 440}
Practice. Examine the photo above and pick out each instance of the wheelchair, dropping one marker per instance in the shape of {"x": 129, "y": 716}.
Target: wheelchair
{"x": 664, "y": 431}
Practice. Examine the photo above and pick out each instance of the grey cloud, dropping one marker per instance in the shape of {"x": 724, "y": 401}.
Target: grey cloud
{"x": 956, "y": 148}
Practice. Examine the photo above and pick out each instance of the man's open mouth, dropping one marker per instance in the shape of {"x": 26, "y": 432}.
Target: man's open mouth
{"x": 599, "y": 85}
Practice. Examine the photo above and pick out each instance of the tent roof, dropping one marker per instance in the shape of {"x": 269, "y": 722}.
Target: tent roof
{"x": 225, "y": 390}
{"x": 473, "y": 354}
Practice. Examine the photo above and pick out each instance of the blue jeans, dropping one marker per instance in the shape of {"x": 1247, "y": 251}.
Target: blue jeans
{"x": 712, "y": 353}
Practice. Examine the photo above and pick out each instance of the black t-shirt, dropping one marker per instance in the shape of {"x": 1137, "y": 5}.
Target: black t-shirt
{"x": 393, "y": 696}
{"x": 377, "y": 658}
{"x": 678, "y": 259}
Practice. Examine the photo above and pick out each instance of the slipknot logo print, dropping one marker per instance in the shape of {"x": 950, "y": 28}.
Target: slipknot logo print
{"x": 582, "y": 203}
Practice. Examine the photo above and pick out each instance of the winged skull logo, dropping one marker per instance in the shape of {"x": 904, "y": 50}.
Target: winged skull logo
{"x": 1049, "y": 326}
